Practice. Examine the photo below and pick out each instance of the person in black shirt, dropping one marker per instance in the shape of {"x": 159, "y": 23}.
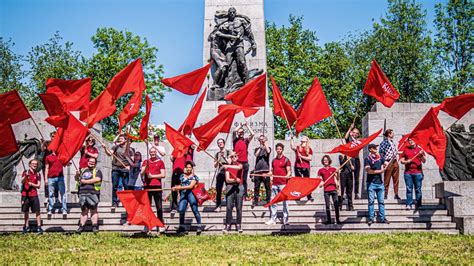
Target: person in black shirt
{"x": 352, "y": 135}
{"x": 374, "y": 167}
{"x": 262, "y": 166}
{"x": 346, "y": 182}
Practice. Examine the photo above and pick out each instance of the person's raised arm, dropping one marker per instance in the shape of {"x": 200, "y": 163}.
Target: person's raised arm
{"x": 91, "y": 154}
{"x": 233, "y": 166}
{"x": 349, "y": 131}
{"x": 251, "y": 132}
{"x": 293, "y": 144}
{"x": 107, "y": 151}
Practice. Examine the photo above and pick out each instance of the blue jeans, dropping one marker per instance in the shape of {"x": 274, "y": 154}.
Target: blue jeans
{"x": 185, "y": 197}
{"x": 53, "y": 183}
{"x": 410, "y": 180}
{"x": 273, "y": 208}
{"x": 119, "y": 182}
{"x": 379, "y": 191}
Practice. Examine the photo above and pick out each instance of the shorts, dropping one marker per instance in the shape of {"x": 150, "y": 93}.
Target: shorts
{"x": 28, "y": 203}
{"x": 88, "y": 201}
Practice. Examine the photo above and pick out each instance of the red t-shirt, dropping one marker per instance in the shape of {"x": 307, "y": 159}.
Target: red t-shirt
{"x": 85, "y": 158}
{"x": 55, "y": 166}
{"x": 325, "y": 173}
{"x": 30, "y": 191}
{"x": 235, "y": 173}
{"x": 414, "y": 167}
{"x": 279, "y": 168}
{"x": 300, "y": 163}
{"x": 154, "y": 168}
{"x": 178, "y": 163}
{"x": 241, "y": 146}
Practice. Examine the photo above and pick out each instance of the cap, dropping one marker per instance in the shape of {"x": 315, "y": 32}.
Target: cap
{"x": 371, "y": 145}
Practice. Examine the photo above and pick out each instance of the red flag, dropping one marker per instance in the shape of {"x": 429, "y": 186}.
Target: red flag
{"x": 206, "y": 133}
{"x": 144, "y": 124}
{"x": 13, "y": 107}
{"x": 429, "y": 135}
{"x": 179, "y": 142}
{"x": 8, "y": 145}
{"x": 74, "y": 94}
{"x": 314, "y": 107}
{"x": 130, "y": 110}
{"x": 379, "y": 87}
{"x": 189, "y": 83}
{"x": 129, "y": 79}
{"x": 457, "y": 106}
{"x": 138, "y": 208}
{"x": 352, "y": 149}
{"x": 187, "y": 127}
{"x": 248, "y": 111}
{"x": 252, "y": 94}
{"x": 281, "y": 107}
{"x": 296, "y": 188}
{"x": 52, "y": 104}
{"x": 69, "y": 137}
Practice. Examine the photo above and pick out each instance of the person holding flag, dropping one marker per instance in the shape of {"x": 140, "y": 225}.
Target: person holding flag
{"x": 303, "y": 158}
{"x": 87, "y": 151}
{"x": 352, "y": 135}
{"x": 153, "y": 170}
{"x": 235, "y": 192}
{"x": 330, "y": 178}
{"x": 241, "y": 145}
{"x": 346, "y": 181}
{"x": 178, "y": 170}
{"x": 262, "y": 166}
{"x": 31, "y": 181}
{"x": 221, "y": 158}
{"x": 389, "y": 152}
{"x": 55, "y": 180}
{"x": 413, "y": 157}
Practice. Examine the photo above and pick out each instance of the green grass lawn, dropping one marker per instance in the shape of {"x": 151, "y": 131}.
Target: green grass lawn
{"x": 310, "y": 248}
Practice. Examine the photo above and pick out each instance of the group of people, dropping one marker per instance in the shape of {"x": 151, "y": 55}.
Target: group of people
{"x": 129, "y": 171}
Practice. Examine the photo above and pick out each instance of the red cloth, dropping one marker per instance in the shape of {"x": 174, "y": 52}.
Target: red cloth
{"x": 314, "y": 107}
{"x": 379, "y": 87}
{"x": 154, "y": 168}
{"x": 85, "y": 158}
{"x": 329, "y": 183}
{"x": 252, "y": 94}
{"x": 414, "y": 167}
{"x": 13, "y": 107}
{"x": 236, "y": 173}
{"x": 179, "y": 142}
{"x": 281, "y": 107}
{"x": 300, "y": 163}
{"x": 138, "y": 208}
{"x": 131, "y": 109}
{"x": 429, "y": 135}
{"x": 143, "y": 134}
{"x": 206, "y": 133}
{"x": 52, "y": 104}
{"x": 7, "y": 141}
{"x": 200, "y": 193}
{"x": 296, "y": 188}
{"x": 189, "y": 83}
{"x": 27, "y": 190}
{"x": 241, "y": 146}
{"x": 55, "y": 166}
{"x": 179, "y": 162}
{"x": 74, "y": 94}
{"x": 187, "y": 127}
{"x": 248, "y": 111}
{"x": 352, "y": 148}
{"x": 457, "y": 106}
{"x": 279, "y": 168}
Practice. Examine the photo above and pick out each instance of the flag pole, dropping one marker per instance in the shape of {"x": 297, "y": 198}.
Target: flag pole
{"x": 337, "y": 128}
{"x": 358, "y": 108}
{"x": 113, "y": 155}
{"x": 36, "y": 125}
{"x": 192, "y": 106}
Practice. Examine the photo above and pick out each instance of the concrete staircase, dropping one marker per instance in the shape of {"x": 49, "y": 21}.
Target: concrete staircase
{"x": 305, "y": 217}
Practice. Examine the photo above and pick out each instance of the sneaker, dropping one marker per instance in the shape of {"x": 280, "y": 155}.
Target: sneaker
{"x": 39, "y": 231}
{"x": 270, "y": 222}
{"x": 356, "y": 196}
{"x": 239, "y": 229}
{"x": 199, "y": 229}
{"x": 46, "y": 201}
{"x": 64, "y": 213}
{"x": 370, "y": 222}
{"x": 25, "y": 230}
{"x": 114, "y": 206}
{"x": 145, "y": 230}
{"x": 350, "y": 208}
{"x": 161, "y": 230}
{"x": 338, "y": 222}
{"x": 286, "y": 223}
{"x": 385, "y": 221}
{"x": 218, "y": 209}
{"x": 80, "y": 229}
{"x": 254, "y": 203}
{"x": 50, "y": 213}
{"x": 397, "y": 197}
{"x": 173, "y": 211}
{"x": 95, "y": 229}
{"x": 180, "y": 230}
{"x": 407, "y": 207}
{"x": 226, "y": 229}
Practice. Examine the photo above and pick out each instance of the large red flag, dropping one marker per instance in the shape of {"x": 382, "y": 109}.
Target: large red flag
{"x": 379, "y": 87}
{"x": 352, "y": 149}
{"x": 52, "y": 104}
{"x": 138, "y": 208}
{"x": 187, "y": 127}
{"x": 179, "y": 142}
{"x": 143, "y": 134}
{"x": 8, "y": 143}
{"x": 457, "y": 106}
{"x": 248, "y": 111}
{"x": 74, "y": 94}
{"x": 13, "y": 107}
{"x": 130, "y": 110}
{"x": 429, "y": 135}
{"x": 281, "y": 107}
{"x": 189, "y": 83}
{"x": 314, "y": 107}
{"x": 252, "y": 94}
{"x": 206, "y": 133}
{"x": 296, "y": 188}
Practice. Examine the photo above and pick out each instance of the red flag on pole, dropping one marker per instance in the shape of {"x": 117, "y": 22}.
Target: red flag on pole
{"x": 314, "y": 107}
{"x": 296, "y": 188}
{"x": 143, "y": 134}
{"x": 189, "y": 83}
{"x": 281, "y": 107}
{"x": 187, "y": 127}
{"x": 352, "y": 149}
{"x": 52, "y": 104}
{"x": 457, "y": 106}
{"x": 13, "y": 107}
{"x": 379, "y": 87}
{"x": 8, "y": 145}
{"x": 252, "y": 94}
{"x": 206, "y": 133}
{"x": 130, "y": 110}
{"x": 138, "y": 208}
{"x": 179, "y": 142}
{"x": 74, "y": 94}
{"x": 248, "y": 111}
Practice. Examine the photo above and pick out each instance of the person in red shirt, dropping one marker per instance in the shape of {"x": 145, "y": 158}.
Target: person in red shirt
{"x": 31, "y": 181}
{"x": 154, "y": 170}
{"x": 241, "y": 145}
{"x": 303, "y": 159}
{"x": 330, "y": 176}
{"x": 281, "y": 166}
{"x": 235, "y": 192}
{"x": 54, "y": 177}
{"x": 87, "y": 151}
{"x": 413, "y": 157}
{"x": 178, "y": 170}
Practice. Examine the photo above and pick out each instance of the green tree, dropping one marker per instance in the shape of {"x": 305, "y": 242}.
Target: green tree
{"x": 11, "y": 73}
{"x": 453, "y": 48}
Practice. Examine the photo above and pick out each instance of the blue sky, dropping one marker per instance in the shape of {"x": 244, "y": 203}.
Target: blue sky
{"x": 174, "y": 26}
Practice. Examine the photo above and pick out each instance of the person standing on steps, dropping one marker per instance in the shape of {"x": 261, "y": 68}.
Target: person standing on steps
{"x": 178, "y": 170}
{"x": 413, "y": 158}
{"x": 153, "y": 170}
{"x": 241, "y": 146}
{"x": 389, "y": 152}
{"x": 30, "y": 183}
{"x": 352, "y": 135}
{"x": 346, "y": 178}
{"x": 373, "y": 165}
{"x": 221, "y": 159}
{"x": 235, "y": 192}
{"x": 262, "y": 167}
{"x": 303, "y": 159}
{"x": 55, "y": 180}
{"x": 330, "y": 176}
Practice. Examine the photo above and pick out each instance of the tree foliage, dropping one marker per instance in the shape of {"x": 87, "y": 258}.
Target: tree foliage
{"x": 11, "y": 73}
